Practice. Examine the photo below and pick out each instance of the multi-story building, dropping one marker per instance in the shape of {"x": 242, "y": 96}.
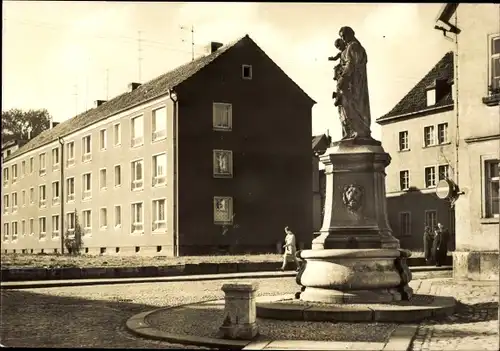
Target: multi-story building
{"x": 11, "y": 146}
{"x": 475, "y": 30}
{"x": 319, "y": 145}
{"x": 419, "y": 134}
{"x": 212, "y": 156}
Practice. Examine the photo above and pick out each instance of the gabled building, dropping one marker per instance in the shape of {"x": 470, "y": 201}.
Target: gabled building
{"x": 11, "y": 146}
{"x": 419, "y": 134}
{"x": 475, "y": 31}
{"x": 214, "y": 156}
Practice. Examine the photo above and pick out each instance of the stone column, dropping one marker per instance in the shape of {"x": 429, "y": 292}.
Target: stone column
{"x": 239, "y": 312}
{"x": 355, "y": 206}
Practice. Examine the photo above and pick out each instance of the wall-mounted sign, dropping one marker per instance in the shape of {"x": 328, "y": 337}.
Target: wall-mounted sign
{"x": 445, "y": 189}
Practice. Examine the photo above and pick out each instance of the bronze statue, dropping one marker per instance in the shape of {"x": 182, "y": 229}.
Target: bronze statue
{"x": 352, "y": 87}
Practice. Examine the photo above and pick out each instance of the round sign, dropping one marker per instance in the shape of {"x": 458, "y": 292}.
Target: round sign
{"x": 444, "y": 189}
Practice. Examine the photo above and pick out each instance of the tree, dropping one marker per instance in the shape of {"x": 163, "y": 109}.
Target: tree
{"x": 16, "y": 123}
{"x": 73, "y": 240}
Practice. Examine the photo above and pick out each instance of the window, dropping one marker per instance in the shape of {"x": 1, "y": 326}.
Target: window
{"x": 117, "y": 134}
{"x": 86, "y": 148}
{"x": 429, "y": 136}
{"x": 222, "y": 116}
{"x": 431, "y": 97}
{"x": 137, "y": 217}
{"x": 71, "y": 221}
{"x": 70, "y": 153}
{"x": 492, "y": 179}
{"x": 6, "y": 204}
{"x": 137, "y": 131}
{"x": 32, "y": 196}
{"x": 23, "y": 168}
{"x": 405, "y": 223}
{"x": 430, "y": 177}
{"x": 431, "y": 219}
{"x": 223, "y": 210}
{"x": 23, "y": 227}
{"x": 443, "y": 172}
{"x": 159, "y": 215}
{"x": 55, "y": 226}
{"x": 42, "y": 198}
{"x": 87, "y": 186}
{"x": 55, "y": 158}
{"x": 102, "y": 179}
{"x": 118, "y": 216}
{"x": 32, "y": 226}
{"x": 103, "y": 218}
{"x": 222, "y": 163}
{"x": 42, "y": 228}
{"x": 32, "y": 165}
{"x": 159, "y": 123}
{"x": 87, "y": 220}
{"x": 70, "y": 189}
{"x": 159, "y": 169}
{"x": 495, "y": 62}
{"x": 103, "y": 140}
{"x": 14, "y": 231}
{"x": 6, "y": 232}
{"x": 14, "y": 202}
{"x": 246, "y": 71}
{"x": 137, "y": 175}
{"x": 43, "y": 166}
{"x": 6, "y": 176}
{"x": 14, "y": 173}
{"x": 55, "y": 193}
{"x": 118, "y": 175}
{"x": 23, "y": 197}
{"x": 442, "y": 133}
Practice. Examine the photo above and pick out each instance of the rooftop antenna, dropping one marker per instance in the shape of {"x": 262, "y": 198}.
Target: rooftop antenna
{"x": 139, "y": 51}
{"x": 192, "y": 40}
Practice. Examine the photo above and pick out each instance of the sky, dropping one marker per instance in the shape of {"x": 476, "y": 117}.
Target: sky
{"x": 64, "y": 55}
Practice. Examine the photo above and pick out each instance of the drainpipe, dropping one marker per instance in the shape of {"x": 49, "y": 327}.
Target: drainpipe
{"x": 174, "y": 98}
{"x": 61, "y": 193}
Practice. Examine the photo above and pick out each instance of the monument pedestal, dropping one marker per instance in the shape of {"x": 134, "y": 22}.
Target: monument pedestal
{"x": 355, "y": 259}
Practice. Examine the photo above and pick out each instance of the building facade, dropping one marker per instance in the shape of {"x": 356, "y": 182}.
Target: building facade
{"x": 195, "y": 161}
{"x": 475, "y": 30}
{"x": 319, "y": 145}
{"x": 419, "y": 134}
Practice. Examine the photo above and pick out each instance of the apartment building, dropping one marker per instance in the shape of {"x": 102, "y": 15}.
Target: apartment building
{"x": 11, "y": 146}
{"x": 419, "y": 134}
{"x": 475, "y": 31}
{"x": 213, "y": 156}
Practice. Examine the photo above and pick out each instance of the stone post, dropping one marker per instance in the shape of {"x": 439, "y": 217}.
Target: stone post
{"x": 239, "y": 312}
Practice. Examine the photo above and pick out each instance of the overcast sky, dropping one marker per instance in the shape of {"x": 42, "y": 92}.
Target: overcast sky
{"x": 57, "y": 55}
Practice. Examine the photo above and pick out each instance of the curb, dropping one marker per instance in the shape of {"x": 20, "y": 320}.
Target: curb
{"x": 37, "y": 274}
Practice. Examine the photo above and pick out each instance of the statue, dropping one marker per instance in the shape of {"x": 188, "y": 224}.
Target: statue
{"x": 337, "y": 95}
{"x": 352, "y": 87}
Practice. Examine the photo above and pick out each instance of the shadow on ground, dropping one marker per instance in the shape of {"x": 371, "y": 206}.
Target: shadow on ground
{"x": 38, "y": 320}
{"x": 471, "y": 313}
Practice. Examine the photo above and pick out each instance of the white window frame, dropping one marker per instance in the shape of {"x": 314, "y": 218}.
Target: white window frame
{"x": 15, "y": 233}
{"x": 426, "y": 183}
{"x": 70, "y": 156}
{"x": 71, "y": 222}
{"x": 70, "y": 196}
{"x": 432, "y": 140}
{"x": 55, "y": 165}
{"x": 229, "y": 205}
{"x": 6, "y": 203}
{"x": 487, "y": 180}
{"x": 101, "y": 185}
{"x": 158, "y": 134}
{"x": 159, "y": 180}
{"x": 56, "y": 200}
{"x": 87, "y": 155}
{"x": 119, "y": 167}
{"x": 136, "y": 140}
{"x": 32, "y": 195}
{"x": 117, "y": 141}
{"x": 157, "y": 224}
{"x": 86, "y": 193}
{"x": 426, "y": 222}
{"x": 14, "y": 174}
{"x": 32, "y": 226}
{"x": 5, "y": 175}
{"x": 404, "y": 140}
{"x": 430, "y": 97}
{"x": 217, "y": 125}
{"x": 42, "y": 235}
{"x": 6, "y": 232}
{"x": 42, "y": 159}
{"x": 440, "y": 128}
{"x": 42, "y": 202}
{"x": 14, "y": 201}
{"x": 103, "y": 139}
{"x": 32, "y": 165}
{"x": 492, "y": 56}
{"x": 23, "y": 227}
{"x": 55, "y": 231}
{"x": 87, "y": 227}
{"x": 217, "y": 173}
{"x": 115, "y": 217}
{"x": 102, "y": 225}
{"x": 243, "y": 72}
{"x": 447, "y": 167}
{"x": 137, "y": 184}
{"x": 137, "y": 227}
{"x": 404, "y": 227}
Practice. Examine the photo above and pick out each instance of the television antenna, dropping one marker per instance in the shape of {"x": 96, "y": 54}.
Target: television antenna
{"x": 192, "y": 39}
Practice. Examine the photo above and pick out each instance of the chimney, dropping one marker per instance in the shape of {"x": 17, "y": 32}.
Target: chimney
{"x": 98, "y": 103}
{"x": 132, "y": 86}
{"x": 213, "y": 47}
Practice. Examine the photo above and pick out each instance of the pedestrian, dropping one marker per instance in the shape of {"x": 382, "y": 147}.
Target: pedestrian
{"x": 290, "y": 249}
{"x": 441, "y": 244}
{"x": 428, "y": 241}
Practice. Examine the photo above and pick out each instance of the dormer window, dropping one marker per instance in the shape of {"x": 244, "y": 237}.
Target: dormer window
{"x": 246, "y": 71}
{"x": 431, "y": 97}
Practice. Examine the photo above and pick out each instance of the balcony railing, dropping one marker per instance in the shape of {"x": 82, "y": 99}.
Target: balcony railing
{"x": 159, "y": 180}
{"x": 86, "y": 157}
{"x": 159, "y": 134}
{"x": 137, "y": 141}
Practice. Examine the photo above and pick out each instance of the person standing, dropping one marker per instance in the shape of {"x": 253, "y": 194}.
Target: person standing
{"x": 428, "y": 243}
{"x": 290, "y": 249}
{"x": 441, "y": 244}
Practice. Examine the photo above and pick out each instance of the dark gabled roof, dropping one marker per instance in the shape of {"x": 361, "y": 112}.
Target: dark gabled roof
{"x": 416, "y": 100}
{"x": 320, "y": 142}
{"x": 153, "y": 89}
